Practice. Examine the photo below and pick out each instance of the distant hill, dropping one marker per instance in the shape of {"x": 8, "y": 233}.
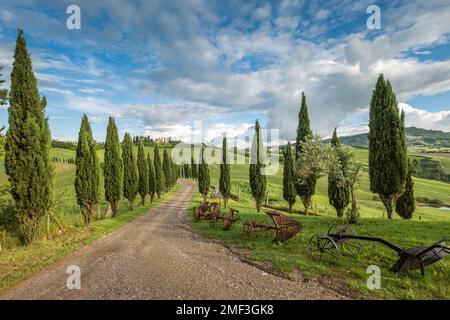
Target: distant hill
{"x": 414, "y": 136}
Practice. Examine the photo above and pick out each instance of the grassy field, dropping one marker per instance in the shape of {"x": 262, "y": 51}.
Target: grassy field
{"x": 427, "y": 226}
{"x": 18, "y": 262}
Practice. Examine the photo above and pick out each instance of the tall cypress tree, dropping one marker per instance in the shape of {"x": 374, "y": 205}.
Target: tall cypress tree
{"x": 335, "y": 142}
{"x": 225, "y": 180}
{"x": 173, "y": 171}
{"x": 194, "y": 169}
{"x": 289, "y": 188}
{"x": 27, "y": 148}
{"x": 3, "y": 92}
{"x": 257, "y": 179}
{"x": 113, "y": 167}
{"x": 305, "y": 189}
{"x": 338, "y": 189}
{"x": 406, "y": 205}
{"x": 387, "y": 146}
{"x": 159, "y": 174}
{"x": 130, "y": 174}
{"x": 87, "y": 176}
{"x": 151, "y": 178}
{"x": 143, "y": 172}
{"x": 167, "y": 171}
{"x": 203, "y": 176}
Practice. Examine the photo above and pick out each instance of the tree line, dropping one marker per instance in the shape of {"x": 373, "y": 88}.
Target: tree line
{"x": 125, "y": 175}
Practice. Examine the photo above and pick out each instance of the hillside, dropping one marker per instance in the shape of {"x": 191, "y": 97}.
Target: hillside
{"x": 416, "y": 137}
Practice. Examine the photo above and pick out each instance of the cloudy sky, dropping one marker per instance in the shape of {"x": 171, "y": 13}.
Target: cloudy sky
{"x": 158, "y": 66}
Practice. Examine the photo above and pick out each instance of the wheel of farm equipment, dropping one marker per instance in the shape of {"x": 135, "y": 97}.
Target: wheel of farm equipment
{"x": 349, "y": 246}
{"x": 248, "y": 227}
{"x": 324, "y": 247}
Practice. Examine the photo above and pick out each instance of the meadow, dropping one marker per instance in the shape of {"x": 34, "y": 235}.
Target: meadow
{"x": 427, "y": 225}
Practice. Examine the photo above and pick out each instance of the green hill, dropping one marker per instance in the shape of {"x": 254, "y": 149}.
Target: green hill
{"x": 416, "y": 137}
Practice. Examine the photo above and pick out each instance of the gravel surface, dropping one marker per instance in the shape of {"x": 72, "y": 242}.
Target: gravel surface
{"x": 154, "y": 257}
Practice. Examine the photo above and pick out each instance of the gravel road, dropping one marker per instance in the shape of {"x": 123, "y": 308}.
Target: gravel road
{"x": 154, "y": 257}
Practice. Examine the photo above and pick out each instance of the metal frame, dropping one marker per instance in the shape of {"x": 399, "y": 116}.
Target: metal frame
{"x": 409, "y": 258}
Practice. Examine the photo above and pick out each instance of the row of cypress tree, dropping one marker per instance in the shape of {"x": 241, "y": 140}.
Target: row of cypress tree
{"x": 124, "y": 174}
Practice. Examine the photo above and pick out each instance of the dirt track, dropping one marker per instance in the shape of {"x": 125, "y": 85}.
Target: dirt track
{"x": 152, "y": 257}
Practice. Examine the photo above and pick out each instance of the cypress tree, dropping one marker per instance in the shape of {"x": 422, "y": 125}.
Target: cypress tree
{"x": 87, "y": 176}
{"x": 130, "y": 174}
{"x": 151, "y": 178}
{"x": 335, "y": 142}
{"x": 225, "y": 180}
{"x": 387, "y": 146}
{"x": 338, "y": 190}
{"x": 174, "y": 172}
{"x": 289, "y": 188}
{"x": 113, "y": 167}
{"x": 27, "y": 148}
{"x": 305, "y": 189}
{"x": 143, "y": 172}
{"x": 3, "y": 92}
{"x": 159, "y": 175}
{"x": 203, "y": 176}
{"x": 406, "y": 205}
{"x": 257, "y": 179}
{"x": 194, "y": 169}
{"x": 167, "y": 171}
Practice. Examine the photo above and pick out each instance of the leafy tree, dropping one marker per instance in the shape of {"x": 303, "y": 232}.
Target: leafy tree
{"x": 406, "y": 205}
{"x": 143, "y": 172}
{"x": 352, "y": 179}
{"x": 257, "y": 177}
{"x": 159, "y": 175}
{"x": 113, "y": 167}
{"x": 289, "y": 188}
{"x": 225, "y": 180}
{"x": 338, "y": 190}
{"x": 87, "y": 176}
{"x": 27, "y": 149}
{"x": 130, "y": 174}
{"x": 305, "y": 188}
{"x": 151, "y": 178}
{"x": 203, "y": 176}
{"x": 311, "y": 165}
{"x": 387, "y": 146}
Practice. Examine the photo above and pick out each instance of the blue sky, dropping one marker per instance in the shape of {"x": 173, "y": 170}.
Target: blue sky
{"x": 158, "y": 66}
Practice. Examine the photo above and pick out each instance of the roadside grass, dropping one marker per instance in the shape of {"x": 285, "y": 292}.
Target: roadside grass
{"x": 21, "y": 262}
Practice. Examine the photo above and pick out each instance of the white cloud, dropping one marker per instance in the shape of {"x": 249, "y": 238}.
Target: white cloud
{"x": 415, "y": 117}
